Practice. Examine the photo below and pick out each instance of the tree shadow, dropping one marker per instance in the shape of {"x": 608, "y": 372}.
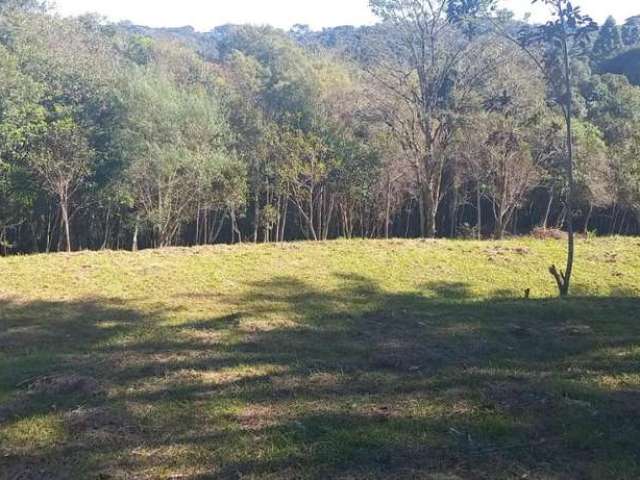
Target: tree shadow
{"x": 349, "y": 382}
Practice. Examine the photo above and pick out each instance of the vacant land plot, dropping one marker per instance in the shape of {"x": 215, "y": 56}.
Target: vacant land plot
{"x": 350, "y": 360}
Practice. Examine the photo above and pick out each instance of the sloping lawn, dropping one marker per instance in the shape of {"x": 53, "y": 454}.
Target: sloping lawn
{"x": 349, "y": 360}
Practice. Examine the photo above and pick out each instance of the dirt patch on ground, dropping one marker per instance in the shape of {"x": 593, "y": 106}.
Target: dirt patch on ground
{"x": 608, "y": 257}
{"x": 258, "y": 417}
{"x": 99, "y": 426}
{"x": 64, "y": 385}
{"x": 549, "y": 234}
{"x": 410, "y": 359}
{"x": 83, "y": 419}
{"x": 510, "y": 397}
{"x": 495, "y": 251}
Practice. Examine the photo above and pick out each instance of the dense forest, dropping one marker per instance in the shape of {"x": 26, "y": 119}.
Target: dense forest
{"x": 441, "y": 123}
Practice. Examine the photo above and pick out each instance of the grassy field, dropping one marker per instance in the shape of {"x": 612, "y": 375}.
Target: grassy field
{"x": 349, "y": 360}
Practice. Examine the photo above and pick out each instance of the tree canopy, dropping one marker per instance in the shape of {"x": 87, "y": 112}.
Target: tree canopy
{"x": 433, "y": 122}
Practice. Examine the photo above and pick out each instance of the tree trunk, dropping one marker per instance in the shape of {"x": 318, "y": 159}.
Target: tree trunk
{"x": 571, "y": 241}
{"x": 421, "y": 212}
{"x": 588, "y": 219}
{"x": 547, "y": 213}
{"x": 479, "y": 211}
{"x": 408, "y": 220}
{"x": 328, "y": 216}
{"x": 136, "y": 230}
{"x": 285, "y": 213}
{"x": 563, "y": 279}
{"x": 387, "y": 215}
{"x": 453, "y": 213}
{"x": 205, "y": 226}
{"x": 614, "y": 218}
{"x": 197, "y": 242}
{"x": 64, "y": 209}
{"x": 623, "y": 223}
{"x": 256, "y": 215}
{"x": 278, "y": 218}
{"x": 107, "y": 225}
{"x": 430, "y": 215}
{"x": 235, "y": 231}
{"x": 48, "y": 247}
{"x": 498, "y": 233}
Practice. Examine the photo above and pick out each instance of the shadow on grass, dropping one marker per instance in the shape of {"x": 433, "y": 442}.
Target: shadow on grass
{"x": 355, "y": 382}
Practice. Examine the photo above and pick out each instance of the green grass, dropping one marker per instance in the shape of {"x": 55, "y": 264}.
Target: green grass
{"x": 351, "y": 360}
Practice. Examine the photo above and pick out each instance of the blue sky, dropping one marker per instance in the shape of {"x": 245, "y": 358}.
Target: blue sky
{"x": 206, "y": 14}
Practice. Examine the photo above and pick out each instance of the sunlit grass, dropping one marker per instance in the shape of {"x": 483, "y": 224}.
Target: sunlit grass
{"x": 33, "y": 435}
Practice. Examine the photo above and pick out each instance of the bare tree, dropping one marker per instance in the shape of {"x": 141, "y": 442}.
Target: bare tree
{"x": 511, "y": 172}
{"x": 564, "y": 36}
{"x": 61, "y": 161}
{"x": 418, "y": 59}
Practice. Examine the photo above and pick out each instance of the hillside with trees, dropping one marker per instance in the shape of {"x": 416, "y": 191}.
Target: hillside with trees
{"x": 428, "y": 124}
{"x": 198, "y": 324}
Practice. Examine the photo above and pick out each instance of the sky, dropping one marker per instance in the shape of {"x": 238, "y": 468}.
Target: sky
{"x": 206, "y": 14}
